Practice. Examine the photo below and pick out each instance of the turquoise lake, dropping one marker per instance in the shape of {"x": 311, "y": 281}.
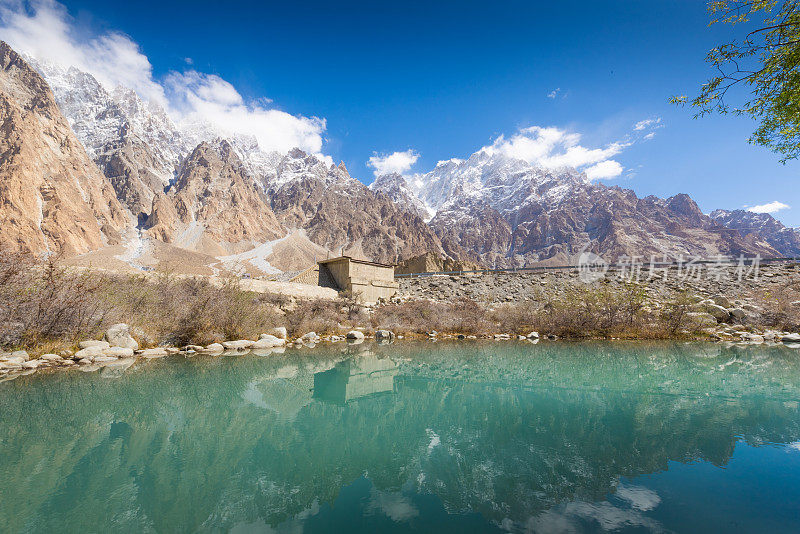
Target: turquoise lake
{"x": 421, "y": 437}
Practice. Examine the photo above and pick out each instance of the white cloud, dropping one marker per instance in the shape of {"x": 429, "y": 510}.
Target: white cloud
{"x": 648, "y": 124}
{"x": 639, "y": 497}
{"x": 42, "y": 28}
{"x": 649, "y": 136}
{"x": 554, "y": 92}
{"x": 553, "y": 147}
{"x": 45, "y": 30}
{"x": 399, "y": 162}
{"x": 770, "y": 207}
{"x": 604, "y": 170}
{"x": 197, "y": 97}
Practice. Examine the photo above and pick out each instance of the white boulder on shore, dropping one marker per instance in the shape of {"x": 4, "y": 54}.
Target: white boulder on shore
{"x": 355, "y": 335}
{"x": 94, "y": 344}
{"x": 279, "y": 332}
{"x": 118, "y": 352}
{"x": 119, "y": 335}
{"x": 19, "y": 355}
{"x": 158, "y": 352}
{"x": 384, "y": 335}
{"x": 309, "y": 338}
{"x": 268, "y": 341}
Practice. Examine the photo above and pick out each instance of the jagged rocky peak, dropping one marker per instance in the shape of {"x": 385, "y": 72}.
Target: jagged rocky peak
{"x": 683, "y": 205}
{"x": 298, "y": 166}
{"x": 103, "y": 118}
{"x": 134, "y": 142}
{"x": 506, "y": 211}
{"x": 338, "y": 212}
{"x": 214, "y": 206}
{"x": 53, "y": 198}
{"x": 396, "y": 187}
{"x": 492, "y": 177}
{"x": 763, "y": 226}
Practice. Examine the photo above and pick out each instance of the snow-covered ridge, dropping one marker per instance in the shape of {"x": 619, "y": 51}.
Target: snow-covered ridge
{"x": 396, "y": 188}
{"x": 494, "y": 179}
{"x": 104, "y": 118}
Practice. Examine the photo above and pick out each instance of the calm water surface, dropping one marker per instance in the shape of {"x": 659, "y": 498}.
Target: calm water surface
{"x": 556, "y": 437}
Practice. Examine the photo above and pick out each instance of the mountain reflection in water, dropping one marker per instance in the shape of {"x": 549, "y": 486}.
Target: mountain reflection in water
{"x": 447, "y": 437}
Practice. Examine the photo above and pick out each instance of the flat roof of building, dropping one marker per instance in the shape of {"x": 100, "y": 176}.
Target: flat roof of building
{"x": 355, "y": 260}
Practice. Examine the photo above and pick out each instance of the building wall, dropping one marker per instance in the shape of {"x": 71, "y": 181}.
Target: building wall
{"x": 340, "y": 270}
{"x": 318, "y": 275}
{"x": 363, "y": 271}
{"x": 370, "y": 282}
{"x": 373, "y": 291}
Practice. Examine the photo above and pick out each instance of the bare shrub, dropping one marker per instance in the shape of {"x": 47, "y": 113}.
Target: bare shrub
{"x": 779, "y": 306}
{"x": 191, "y": 310}
{"x": 675, "y": 315}
{"x": 320, "y": 316}
{"x": 420, "y": 316}
{"x": 586, "y": 311}
{"x": 44, "y": 302}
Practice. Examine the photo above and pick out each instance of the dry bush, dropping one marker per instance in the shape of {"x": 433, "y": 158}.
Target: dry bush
{"x": 43, "y": 304}
{"x": 325, "y": 316}
{"x": 190, "y": 310}
{"x": 520, "y": 318}
{"x": 419, "y": 316}
{"x": 584, "y": 311}
{"x": 675, "y": 315}
{"x": 778, "y": 309}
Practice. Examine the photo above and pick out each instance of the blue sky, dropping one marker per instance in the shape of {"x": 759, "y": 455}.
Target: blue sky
{"x": 445, "y": 78}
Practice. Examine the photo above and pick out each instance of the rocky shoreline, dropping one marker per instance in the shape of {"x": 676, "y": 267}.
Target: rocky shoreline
{"x": 512, "y": 306}
{"x": 118, "y": 350}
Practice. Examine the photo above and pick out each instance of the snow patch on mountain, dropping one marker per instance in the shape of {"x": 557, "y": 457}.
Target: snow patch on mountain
{"x": 500, "y": 181}
{"x": 397, "y": 189}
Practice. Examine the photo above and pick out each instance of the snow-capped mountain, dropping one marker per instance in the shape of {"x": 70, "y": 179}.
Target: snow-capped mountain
{"x": 763, "y": 225}
{"x": 396, "y": 188}
{"x": 505, "y": 183}
{"x": 136, "y": 143}
{"x": 507, "y": 212}
{"x": 340, "y": 213}
{"x": 103, "y": 118}
{"x": 189, "y": 186}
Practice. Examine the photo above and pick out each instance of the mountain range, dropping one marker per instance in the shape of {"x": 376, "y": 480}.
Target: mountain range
{"x": 102, "y": 177}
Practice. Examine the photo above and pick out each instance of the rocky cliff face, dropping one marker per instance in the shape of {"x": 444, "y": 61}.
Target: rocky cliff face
{"x": 214, "y": 206}
{"x": 54, "y": 199}
{"x": 184, "y": 186}
{"x": 761, "y": 227}
{"x": 396, "y": 188}
{"x": 510, "y": 213}
{"x": 342, "y": 214}
{"x": 134, "y": 143}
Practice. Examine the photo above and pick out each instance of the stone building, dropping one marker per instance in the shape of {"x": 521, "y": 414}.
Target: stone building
{"x": 368, "y": 280}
